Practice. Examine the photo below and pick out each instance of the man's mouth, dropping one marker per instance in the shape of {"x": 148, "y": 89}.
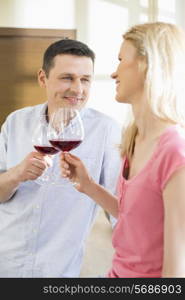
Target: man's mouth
{"x": 73, "y": 100}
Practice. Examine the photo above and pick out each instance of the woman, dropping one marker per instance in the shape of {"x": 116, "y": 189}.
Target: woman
{"x": 149, "y": 238}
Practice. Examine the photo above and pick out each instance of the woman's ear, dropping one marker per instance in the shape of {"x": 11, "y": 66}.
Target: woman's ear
{"x": 142, "y": 64}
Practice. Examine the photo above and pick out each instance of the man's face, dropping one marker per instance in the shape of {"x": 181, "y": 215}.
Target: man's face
{"x": 68, "y": 82}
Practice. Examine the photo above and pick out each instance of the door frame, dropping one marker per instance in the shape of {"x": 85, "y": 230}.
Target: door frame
{"x": 37, "y": 32}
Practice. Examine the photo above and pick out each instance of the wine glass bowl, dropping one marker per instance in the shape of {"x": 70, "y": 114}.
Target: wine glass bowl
{"x": 65, "y": 133}
{"x": 45, "y": 149}
{"x": 66, "y": 130}
{"x": 41, "y": 144}
{"x": 40, "y": 137}
{"x": 65, "y": 145}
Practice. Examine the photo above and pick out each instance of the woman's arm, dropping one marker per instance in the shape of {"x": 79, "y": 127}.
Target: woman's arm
{"x": 102, "y": 197}
{"x": 73, "y": 168}
{"x": 174, "y": 226}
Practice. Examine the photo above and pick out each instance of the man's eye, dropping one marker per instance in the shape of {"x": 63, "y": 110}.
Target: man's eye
{"x": 67, "y": 78}
{"x": 85, "y": 79}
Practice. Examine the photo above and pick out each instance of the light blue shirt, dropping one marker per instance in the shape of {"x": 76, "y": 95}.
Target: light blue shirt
{"x": 43, "y": 228}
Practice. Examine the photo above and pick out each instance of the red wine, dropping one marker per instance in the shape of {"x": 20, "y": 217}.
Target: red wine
{"x": 46, "y": 149}
{"x": 65, "y": 145}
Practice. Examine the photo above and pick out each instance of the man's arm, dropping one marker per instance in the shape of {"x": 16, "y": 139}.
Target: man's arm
{"x": 8, "y": 185}
{"x": 31, "y": 167}
{"x": 174, "y": 226}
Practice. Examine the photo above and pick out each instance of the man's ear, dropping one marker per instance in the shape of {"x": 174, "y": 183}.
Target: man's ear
{"x": 41, "y": 76}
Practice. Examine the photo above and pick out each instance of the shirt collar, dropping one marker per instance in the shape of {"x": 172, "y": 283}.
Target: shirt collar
{"x": 45, "y": 106}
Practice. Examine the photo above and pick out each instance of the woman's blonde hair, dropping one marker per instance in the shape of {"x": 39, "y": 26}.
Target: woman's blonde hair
{"x": 162, "y": 46}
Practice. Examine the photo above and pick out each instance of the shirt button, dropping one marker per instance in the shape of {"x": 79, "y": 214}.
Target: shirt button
{"x": 34, "y": 230}
{"x": 37, "y": 206}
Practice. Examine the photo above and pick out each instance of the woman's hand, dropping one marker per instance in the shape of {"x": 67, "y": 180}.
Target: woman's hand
{"x": 73, "y": 169}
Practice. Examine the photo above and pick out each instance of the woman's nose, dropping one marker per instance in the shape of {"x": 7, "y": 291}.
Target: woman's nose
{"x": 114, "y": 75}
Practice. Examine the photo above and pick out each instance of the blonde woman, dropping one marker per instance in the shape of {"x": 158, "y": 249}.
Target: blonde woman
{"x": 149, "y": 238}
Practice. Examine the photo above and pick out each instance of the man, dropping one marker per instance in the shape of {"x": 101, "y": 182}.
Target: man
{"x": 43, "y": 227}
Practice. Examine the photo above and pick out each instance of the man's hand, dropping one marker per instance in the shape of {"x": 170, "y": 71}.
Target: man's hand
{"x": 31, "y": 167}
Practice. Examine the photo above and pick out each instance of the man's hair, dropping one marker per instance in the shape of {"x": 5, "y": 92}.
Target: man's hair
{"x": 65, "y": 46}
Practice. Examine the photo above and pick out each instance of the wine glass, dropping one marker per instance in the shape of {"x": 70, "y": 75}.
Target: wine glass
{"x": 42, "y": 145}
{"x": 65, "y": 133}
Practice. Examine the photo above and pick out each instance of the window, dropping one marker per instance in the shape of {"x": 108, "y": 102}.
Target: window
{"x": 167, "y": 11}
{"x": 105, "y": 22}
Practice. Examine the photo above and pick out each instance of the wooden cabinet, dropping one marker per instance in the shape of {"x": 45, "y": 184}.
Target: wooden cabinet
{"x": 21, "y": 52}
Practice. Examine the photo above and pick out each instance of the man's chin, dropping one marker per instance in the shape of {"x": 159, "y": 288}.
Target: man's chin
{"x": 79, "y": 105}
{"x": 69, "y": 104}
{"x": 76, "y": 105}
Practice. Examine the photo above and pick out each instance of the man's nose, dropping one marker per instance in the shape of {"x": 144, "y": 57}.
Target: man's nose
{"x": 76, "y": 87}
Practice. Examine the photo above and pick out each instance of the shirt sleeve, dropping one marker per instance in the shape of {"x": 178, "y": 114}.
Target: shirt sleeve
{"x": 3, "y": 148}
{"x": 173, "y": 161}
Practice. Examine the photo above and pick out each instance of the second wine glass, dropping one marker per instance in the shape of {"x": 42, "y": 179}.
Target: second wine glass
{"x": 65, "y": 133}
{"x": 42, "y": 145}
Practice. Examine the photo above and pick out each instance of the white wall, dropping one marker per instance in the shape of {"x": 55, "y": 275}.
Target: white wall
{"x": 38, "y": 13}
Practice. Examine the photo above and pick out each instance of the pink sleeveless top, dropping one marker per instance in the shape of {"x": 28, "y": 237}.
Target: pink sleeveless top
{"x": 138, "y": 235}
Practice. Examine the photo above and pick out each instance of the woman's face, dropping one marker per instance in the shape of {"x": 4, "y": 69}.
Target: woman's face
{"x": 129, "y": 78}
